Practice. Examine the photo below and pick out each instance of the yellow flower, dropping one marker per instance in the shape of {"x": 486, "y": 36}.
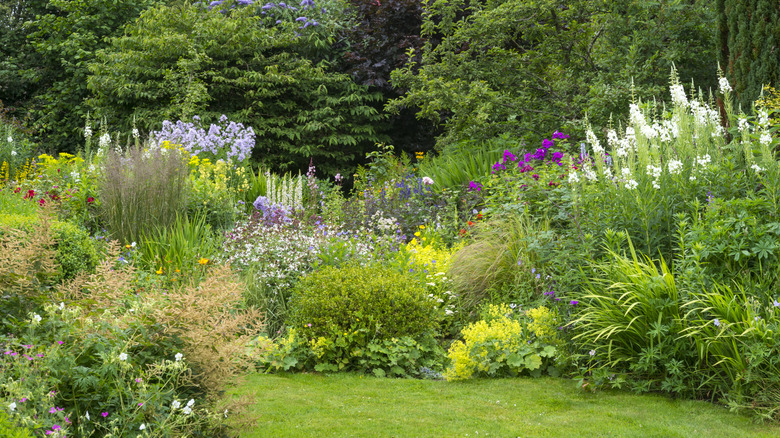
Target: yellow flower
{"x": 128, "y": 246}
{"x": 417, "y": 234}
{"x": 422, "y": 227}
{"x": 203, "y": 261}
{"x": 177, "y": 271}
{"x": 159, "y": 271}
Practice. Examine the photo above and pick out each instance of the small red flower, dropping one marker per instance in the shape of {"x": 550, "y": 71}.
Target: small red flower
{"x": 42, "y": 202}
{"x": 30, "y": 194}
{"x": 90, "y": 200}
{"x": 17, "y": 190}
{"x": 462, "y": 232}
{"x": 479, "y": 216}
{"x": 471, "y": 223}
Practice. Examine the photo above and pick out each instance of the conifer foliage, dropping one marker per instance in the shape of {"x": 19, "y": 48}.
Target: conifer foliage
{"x": 749, "y": 36}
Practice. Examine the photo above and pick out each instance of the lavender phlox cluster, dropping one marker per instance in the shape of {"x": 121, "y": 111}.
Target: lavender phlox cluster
{"x": 238, "y": 2}
{"x": 272, "y": 213}
{"x": 226, "y": 140}
{"x": 282, "y": 10}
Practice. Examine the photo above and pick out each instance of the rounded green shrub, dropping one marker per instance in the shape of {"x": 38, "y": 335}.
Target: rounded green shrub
{"x": 383, "y": 301}
{"x": 76, "y": 251}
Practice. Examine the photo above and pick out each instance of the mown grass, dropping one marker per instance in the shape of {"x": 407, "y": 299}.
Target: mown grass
{"x": 347, "y": 405}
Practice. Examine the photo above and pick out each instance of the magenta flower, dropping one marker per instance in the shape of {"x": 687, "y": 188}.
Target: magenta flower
{"x": 104, "y": 414}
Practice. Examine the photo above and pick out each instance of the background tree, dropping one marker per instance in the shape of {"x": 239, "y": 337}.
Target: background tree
{"x": 532, "y": 67}
{"x": 46, "y": 76}
{"x": 16, "y": 54}
{"x": 261, "y": 65}
{"x": 377, "y": 44}
{"x": 749, "y": 39}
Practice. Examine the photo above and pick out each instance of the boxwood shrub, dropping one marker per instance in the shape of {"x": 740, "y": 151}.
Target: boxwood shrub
{"x": 383, "y": 301}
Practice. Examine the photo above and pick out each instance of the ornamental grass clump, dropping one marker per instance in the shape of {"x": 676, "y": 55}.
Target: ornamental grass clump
{"x": 498, "y": 264}
{"x": 141, "y": 191}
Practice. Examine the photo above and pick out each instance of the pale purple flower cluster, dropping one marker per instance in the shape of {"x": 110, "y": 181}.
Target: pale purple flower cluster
{"x": 226, "y": 140}
{"x": 272, "y": 213}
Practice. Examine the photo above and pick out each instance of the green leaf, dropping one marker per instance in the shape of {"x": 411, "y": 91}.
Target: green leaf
{"x": 533, "y": 361}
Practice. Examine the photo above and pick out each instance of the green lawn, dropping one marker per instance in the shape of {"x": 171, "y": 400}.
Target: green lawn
{"x": 345, "y": 405}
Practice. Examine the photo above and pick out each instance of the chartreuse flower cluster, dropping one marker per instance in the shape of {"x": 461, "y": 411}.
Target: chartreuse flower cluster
{"x": 504, "y": 344}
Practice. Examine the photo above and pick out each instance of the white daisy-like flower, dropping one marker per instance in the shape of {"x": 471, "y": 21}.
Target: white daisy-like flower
{"x": 187, "y": 410}
{"x": 36, "y": 318}
{"x": 179, "y": 356}
{"x": 13, "y": 153}
{"x": 142, "y": 427}
{"x": 12, "y": 406}
{"x": 10, "y": 139}
{"x": 122, "y": 356}
{"x": 191, "y": 402}
{"x": 175, "y": 405}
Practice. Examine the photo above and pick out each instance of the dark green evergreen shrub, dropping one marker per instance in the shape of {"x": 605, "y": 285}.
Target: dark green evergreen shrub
{"x": 749, "y": 39}
{"x": 381, "y": 300}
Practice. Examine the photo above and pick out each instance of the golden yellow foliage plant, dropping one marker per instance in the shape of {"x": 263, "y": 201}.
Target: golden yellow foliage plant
{"x": 501, "y": 345}
{"x": 770, "y": 101}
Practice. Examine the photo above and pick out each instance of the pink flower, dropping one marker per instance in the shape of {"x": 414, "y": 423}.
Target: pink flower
{"x": 104, "y": 414}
